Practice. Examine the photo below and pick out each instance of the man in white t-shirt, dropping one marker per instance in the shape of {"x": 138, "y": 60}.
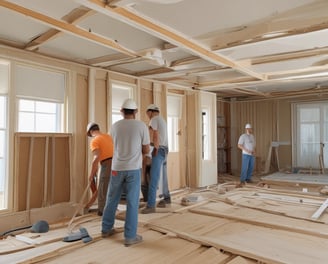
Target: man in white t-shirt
{"x": 131, "y": 140}
{"x": 159, "y": 140}
{"x": 247, "y": 144}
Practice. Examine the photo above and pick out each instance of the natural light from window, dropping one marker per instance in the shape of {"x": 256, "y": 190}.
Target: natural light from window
{"x": 39, "y": 116}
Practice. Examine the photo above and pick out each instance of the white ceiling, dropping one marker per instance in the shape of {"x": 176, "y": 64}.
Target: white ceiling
{"x": 243, "y": 49}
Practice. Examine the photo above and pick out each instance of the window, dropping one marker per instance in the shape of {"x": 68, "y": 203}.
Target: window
{"x": 3, "y": 151}
{"x": 39, "y": 116}
{"x": 40, "y": 99}
{"x": 311, "y": 134}
{"x": 120, "y": 92}
{"x": 205, "y": 135}
{"x": 174, "y": 104}
{"x": 4, "y": 80}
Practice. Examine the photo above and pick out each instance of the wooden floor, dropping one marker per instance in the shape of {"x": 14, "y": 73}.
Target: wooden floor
{"x": 253, "y": 224}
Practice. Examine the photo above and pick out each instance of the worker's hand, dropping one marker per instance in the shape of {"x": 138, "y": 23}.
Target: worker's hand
{"x": 91, "y": 178}
{"x": 154, "y": 152}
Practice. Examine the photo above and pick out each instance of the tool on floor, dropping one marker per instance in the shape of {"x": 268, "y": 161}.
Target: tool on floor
{"x": 41, "y": 226}
{"x": 82, "y": 234}
{"x": 191, "y": 200}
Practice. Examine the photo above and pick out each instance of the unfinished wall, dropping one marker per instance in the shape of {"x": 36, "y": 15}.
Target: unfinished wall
{"x": 223, "y": 137}
{"x": 272, "y": 122}
{"x": 42, "y": 163}
{"x": 263, "y": 117}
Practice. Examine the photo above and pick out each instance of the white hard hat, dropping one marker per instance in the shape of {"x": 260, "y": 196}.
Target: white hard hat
{"x": 248, "y": 126}
{"x": 129, "y": 104}
{"x": 91, "y": 125}
{"x": 153, "y": 107}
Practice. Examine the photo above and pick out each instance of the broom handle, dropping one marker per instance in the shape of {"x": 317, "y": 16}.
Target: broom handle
{"x": 80, "y": 205}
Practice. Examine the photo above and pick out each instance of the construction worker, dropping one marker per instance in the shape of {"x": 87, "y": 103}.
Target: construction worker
{"x": 131, "y": 140}
{"x": 102, "y": 149}
{"x": 158, "y": 137}
{"x": 247, "y": 144}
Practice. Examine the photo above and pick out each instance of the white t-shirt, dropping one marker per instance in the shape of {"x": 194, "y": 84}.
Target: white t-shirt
{"x": 128, "y": 136}
{"x": 248, "y": 142}
{"x": 159, "y": 124}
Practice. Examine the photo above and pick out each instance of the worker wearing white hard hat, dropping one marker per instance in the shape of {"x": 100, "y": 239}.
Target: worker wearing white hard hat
{"x": 159, "y": 139}
{"x": 247, "y": 144}
{"x": 131, "y": 141}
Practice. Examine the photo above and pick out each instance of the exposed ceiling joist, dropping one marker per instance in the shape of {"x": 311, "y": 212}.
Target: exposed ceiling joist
{"x": 130, "y": 17}
{"x": 68, "y": 28}
{"x": 294, "y": 22}
{"x": 72, "y": 18}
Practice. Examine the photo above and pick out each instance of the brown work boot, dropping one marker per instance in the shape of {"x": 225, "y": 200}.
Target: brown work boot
{"x": 148, "y": 210}
{"x": 240, "y": 185}
{"x": 164, "y": 203}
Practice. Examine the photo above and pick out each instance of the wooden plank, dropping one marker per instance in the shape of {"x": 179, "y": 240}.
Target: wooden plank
{"x": 29, "y": 174}
{"x": 260, "y": 218}
{"x": 247, "y": 240}
{"x": 321, "y": 209}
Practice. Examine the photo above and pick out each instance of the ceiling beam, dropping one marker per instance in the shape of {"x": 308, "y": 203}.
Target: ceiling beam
{"x": 304, "y": 19}
{"x": 130, "y": 17}
{"x": 288, "y": 56}
{"x": 72, "y": 18}
{"x": 68, "y": 28}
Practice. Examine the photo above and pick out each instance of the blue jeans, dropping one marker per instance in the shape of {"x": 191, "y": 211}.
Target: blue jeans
{"x": 155, "y": 171}
{"x": 131, "y": 179}
{"x": 247, "y": 167}
{"x": 166, "y": 192}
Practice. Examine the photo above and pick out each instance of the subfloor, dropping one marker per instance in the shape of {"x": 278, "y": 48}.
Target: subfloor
{"x": 258, "y": 223}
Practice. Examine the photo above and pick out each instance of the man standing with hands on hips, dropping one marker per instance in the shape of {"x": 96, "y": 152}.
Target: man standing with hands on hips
{"x": 247, "y": 144}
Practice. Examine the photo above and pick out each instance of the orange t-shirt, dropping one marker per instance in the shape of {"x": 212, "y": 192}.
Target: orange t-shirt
{"x": 104, "y": 143}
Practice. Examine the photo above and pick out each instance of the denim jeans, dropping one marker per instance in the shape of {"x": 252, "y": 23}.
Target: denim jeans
{"x": 155, "y": 172}
{"x": 131, "y": 179}
{"x": 247, "y": 167}
{"x": 166, "y": 192}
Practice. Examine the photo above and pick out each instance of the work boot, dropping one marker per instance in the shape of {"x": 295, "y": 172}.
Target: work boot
{"x": 164, "y": 202}
{"x": 148, "y": 210}
{"x": 108, "y": 233}
{"x": 131, "y": 241}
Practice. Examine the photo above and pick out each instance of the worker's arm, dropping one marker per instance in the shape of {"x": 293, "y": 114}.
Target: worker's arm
{"x": 240, "y": 146}
{"x": 94, "y": 165}
{"x": 145, "y": 149}
{"x": 155, "y": 142}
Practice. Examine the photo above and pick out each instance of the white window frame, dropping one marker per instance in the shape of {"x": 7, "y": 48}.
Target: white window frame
{"x": 174, "y": 112}
{"x": 322, "y": 122}
{"x": 130, "y": 93}
{"x": 3, "y": 156}
{"x": 59, "y": 120}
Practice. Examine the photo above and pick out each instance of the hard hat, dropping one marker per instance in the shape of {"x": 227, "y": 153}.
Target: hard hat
{"x": 248, "y": 126}
{"x": 40, "y": 227}
{"x": 153, "y": 107}
{"x": 129, "y": 104}
{"x": 89, "y": 126}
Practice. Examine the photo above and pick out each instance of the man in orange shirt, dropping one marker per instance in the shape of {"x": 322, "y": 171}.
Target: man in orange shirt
{"x": 102, "y": 149}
